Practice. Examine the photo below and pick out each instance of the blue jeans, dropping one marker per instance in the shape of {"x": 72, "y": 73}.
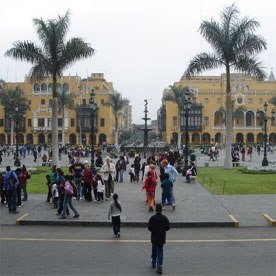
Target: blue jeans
{"x": 68, "y": 199}
{"x": 157, "y": 252}
{"x": 25, "y": 193}
{"x": 12, "y": 200}
{"x": 168, "y": 197}
{"x": 121, "y": 174}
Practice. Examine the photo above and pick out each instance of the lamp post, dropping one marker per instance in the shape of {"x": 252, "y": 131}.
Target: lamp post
{"x": 188, "y": 106}
{"x": 265, "y": 161}
{"x": 93, "y": 107}
{"x": 17, "y": 161}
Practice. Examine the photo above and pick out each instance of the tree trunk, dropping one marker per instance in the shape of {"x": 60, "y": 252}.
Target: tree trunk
{"x": 116, "y": 129}
{"x": 55, "y": 125}
{"x": 12, "y": 131}
{"x": 229, "y": 126}
{"x": 63, "y": 126}
{"x": 179, "y": 130}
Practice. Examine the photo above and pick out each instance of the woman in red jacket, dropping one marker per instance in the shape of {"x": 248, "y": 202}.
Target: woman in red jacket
{"x": 149, "y": 185}
{"x": 88, "y": 182}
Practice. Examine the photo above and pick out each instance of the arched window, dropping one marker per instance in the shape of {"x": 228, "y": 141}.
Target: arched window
{"x": 44, "y": 87}
{"x": 66, "y": 87}
{"x": 72, "y": 139}
{"x": 41, "y": 138}
{"x": 2, "y": 139}
{"x": 50, "y": 88}
{"x": 239, "y": 138}
{"x": 195, "y": 138}
{"x": 249, "y": 118}
{"x": 36, "y": 87}
{"x": 250, "y": 137}
{"x": 30, "y": 138}
{"x": 102, "y": 138}
{"x": 206, "y": 138}
{"x": 218, "y": 138}
{"x": 58, "y": 87}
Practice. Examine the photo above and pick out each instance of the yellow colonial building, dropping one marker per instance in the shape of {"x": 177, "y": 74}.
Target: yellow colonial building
{"x": 35, "y": 125}
{"x": 207, "y": 122}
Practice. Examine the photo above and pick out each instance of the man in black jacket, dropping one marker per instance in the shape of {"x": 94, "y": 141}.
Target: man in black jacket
{"x": 158, "y": 225}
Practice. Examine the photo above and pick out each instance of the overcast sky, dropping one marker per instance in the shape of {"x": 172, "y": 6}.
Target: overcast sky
{"x": 142, "y": 46}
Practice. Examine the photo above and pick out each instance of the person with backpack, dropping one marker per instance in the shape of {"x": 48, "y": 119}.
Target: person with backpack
{"x": 68, "y": 194}
{"x": 11, "y": 185}
{"x": 158, "y": 225}
{"x": 114, "y": 212}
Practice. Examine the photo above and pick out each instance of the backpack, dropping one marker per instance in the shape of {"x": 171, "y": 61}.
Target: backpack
{"x": 28, "y": 176}
{"x": 12, "y": 179}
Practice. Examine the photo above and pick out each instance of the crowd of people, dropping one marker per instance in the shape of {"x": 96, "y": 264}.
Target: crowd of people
{"x": 13, "y": 185}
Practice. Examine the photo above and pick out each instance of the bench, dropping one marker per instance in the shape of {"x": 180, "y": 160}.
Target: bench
{"x": 193, "y": 178}
{"x": 46, "y": 164}
{"x": 236, "y": 163}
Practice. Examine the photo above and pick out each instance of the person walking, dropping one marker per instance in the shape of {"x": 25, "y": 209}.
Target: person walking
{"x": 114, "y": 212}
{"x": 172, "y": 172}
{"x": 150, "y": 185}
{"x": 109, "y": 172}
{"x": 137, "y": 167}
{"x": 166, "y": 186}
{"x": 68, "y": 194}
{"x": 158, "y": 225}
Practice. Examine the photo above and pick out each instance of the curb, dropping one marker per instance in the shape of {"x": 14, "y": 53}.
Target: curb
{"x": 270, "y": 220}
{"x": 124, "y": 224}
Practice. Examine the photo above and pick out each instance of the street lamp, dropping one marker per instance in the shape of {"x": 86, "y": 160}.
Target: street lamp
{"x": 17, "y": 161}
{"x": 93, "y": 107}
{"x": 265, "y": 161}
{"x": 187, "y": 107}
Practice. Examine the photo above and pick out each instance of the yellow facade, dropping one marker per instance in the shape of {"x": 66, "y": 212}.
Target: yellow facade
{"x": 210, "y": 92}
{"x": 77, "y": 128}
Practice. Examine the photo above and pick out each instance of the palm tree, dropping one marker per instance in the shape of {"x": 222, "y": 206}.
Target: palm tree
{"x": 64, "y": 100}
{"x": 235, "y": 47}
{"x": 11, "y": 98}
{"x": 179, "y": 96}
{"x": 117, "y": 102}
{"x": 51, "y": 58}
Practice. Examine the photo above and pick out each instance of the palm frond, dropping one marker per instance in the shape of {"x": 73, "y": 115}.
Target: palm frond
{"x": 117, "y": 102}
{"x": 249, "y": 65}
{"x": 229, "y": 16}
{"x": 201, "y": 62}
{"x": 25, "y": 50}
{"x": 75, "y": 49}
{"x": 213, "y": 34}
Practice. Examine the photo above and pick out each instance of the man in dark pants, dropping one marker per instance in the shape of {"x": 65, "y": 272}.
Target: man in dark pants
{"x": 158, "y": 225}
{"x": 11, "y": 185}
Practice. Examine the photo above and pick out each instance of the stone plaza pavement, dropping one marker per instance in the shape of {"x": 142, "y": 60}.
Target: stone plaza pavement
{"x": 195, "y": 207}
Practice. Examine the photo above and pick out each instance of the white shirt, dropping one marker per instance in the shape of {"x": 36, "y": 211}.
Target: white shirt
{"x": 54, "y": 189}
{"x": 100, "y": 186}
